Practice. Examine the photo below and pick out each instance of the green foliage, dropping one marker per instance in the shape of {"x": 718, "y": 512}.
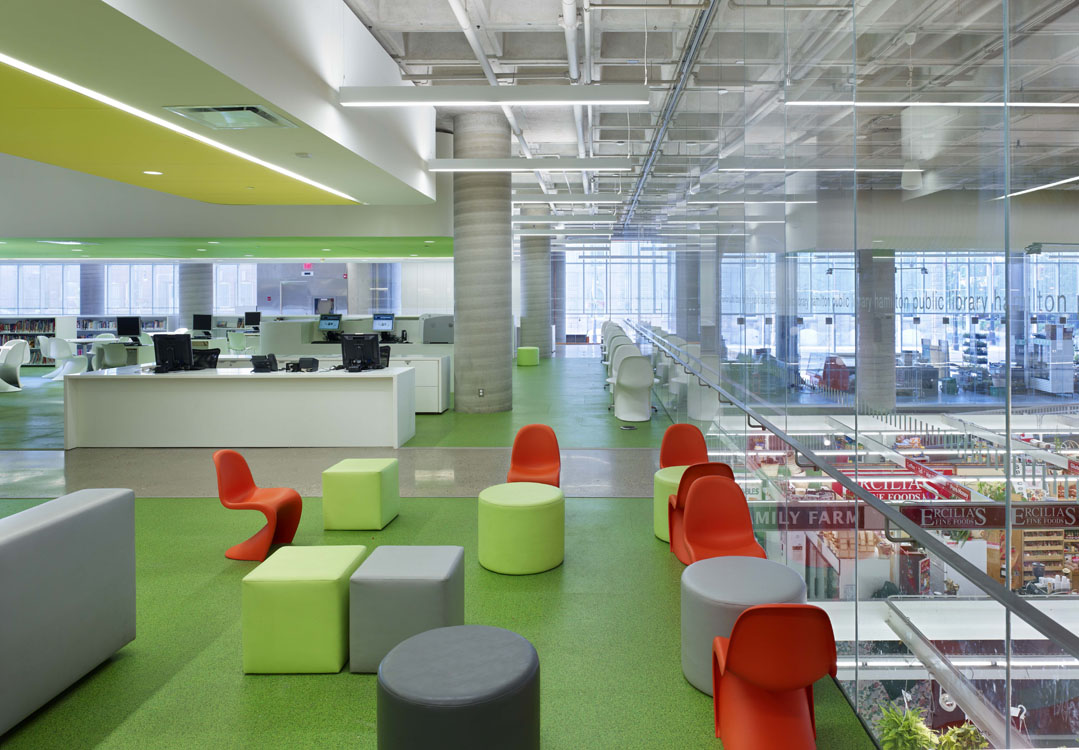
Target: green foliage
{"x": 993, "y": 490}
{"x": 900, "y": 729}
{"x": 963, "y": 737}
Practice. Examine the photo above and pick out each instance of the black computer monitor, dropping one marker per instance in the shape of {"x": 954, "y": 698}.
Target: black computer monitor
{"x": 359, "y": 351}
{"x": 252, "y": 318}
{"x": 329, "y": 322}
{"x": 172, "y": 351}
{"x": 382, "y": 322}
{"x": 128, "y": 326}
{"x": 202, "y": 322}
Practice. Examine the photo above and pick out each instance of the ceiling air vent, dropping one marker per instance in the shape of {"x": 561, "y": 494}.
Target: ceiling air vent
{"x": 233, "y": 117}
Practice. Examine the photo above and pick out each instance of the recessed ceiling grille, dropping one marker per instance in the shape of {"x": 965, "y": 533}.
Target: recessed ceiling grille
{"x": 233, "y": 117}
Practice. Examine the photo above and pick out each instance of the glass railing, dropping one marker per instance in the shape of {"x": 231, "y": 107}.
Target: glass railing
{"x": 947, "y": 597}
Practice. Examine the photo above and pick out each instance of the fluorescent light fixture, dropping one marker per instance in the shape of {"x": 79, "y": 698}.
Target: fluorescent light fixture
{"x": 249, "y": 256}
{"x": 327, "y": 250}
{"x": 887, "y": 170}
{"x": 212, "y": 242}
{"x": 717, "y": 220}
{"x": 428, "y": 242}
{"x": 888, "y": 105}
{"x": 493, "y": 96}
{"x": 567, "y": 198}
{"x": 1040, "y": 187}
{"x": 541, "y": 164}
{"x": 413, "y": 255}
{"x": 200, "y": 249}
{"x": 58, "y": 242}
{"x": 76, "y": 249}
{"x": 151, "y": 171}
{"x": 567, "y": 219}
{"x": 751, "y": 203}
{"x": 562, "y": 233}
{"x": 116, "y": 104}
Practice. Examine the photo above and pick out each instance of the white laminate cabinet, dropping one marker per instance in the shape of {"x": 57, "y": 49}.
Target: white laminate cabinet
{"x": 432, "y": 381}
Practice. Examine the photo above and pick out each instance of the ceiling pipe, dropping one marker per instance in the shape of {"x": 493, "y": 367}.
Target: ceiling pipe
{"x": 465, "y": 23}
{"x": 569, "y": 25}
{"x": 670, "y": 106}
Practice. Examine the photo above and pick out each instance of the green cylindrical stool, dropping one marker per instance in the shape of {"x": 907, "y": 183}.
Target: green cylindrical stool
{"x": 664, "y": 484}
{"x": 522, "y": 528}
{"x": 527, "y": 356}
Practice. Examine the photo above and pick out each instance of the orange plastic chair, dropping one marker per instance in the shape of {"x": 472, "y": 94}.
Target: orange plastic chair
{"x": 677, "y": 507}
{"x": 717, "y": 521}
{"x": 763, "y": 675}
{"x": 683, "y": 445}
{"x": 281, "y": 506}
{"x": 535, "y": 456}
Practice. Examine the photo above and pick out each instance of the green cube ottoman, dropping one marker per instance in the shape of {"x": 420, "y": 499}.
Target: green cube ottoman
{"x": 522, "y": 528}
{"x": 295, "y": 610}
{"x": 360, "y": 493}
{"x": 527, "y": 356}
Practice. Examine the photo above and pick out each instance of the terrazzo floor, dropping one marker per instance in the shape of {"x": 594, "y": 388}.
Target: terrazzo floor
{"x": 605, "y": 624}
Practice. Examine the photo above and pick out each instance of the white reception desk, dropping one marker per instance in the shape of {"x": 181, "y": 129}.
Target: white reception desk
{"x": 133, "y": 407}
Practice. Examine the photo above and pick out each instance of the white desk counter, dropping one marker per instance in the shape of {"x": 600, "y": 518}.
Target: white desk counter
{"x": 133, "y": 407}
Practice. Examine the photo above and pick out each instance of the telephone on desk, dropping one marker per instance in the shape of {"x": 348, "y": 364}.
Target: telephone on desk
{"x": 388, "y": 337}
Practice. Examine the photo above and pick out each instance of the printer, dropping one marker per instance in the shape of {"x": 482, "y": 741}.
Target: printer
{"x": 437, "y": 329}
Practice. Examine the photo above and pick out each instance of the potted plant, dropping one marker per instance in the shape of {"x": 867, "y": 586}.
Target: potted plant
{"x": 905, "y": 729}
{"x": 963, "y": 737}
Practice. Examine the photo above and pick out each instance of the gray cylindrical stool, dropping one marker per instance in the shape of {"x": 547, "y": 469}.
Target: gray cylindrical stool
{"x": 714, "y": 592}
{"x": 464, "y": 687}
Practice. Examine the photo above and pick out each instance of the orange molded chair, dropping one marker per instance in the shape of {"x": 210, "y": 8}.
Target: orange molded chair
{"x": 677, "y": 508}
{"x": 535, "y": 456}
{"x": 280, "y": 505}
{"x": 683, "y": 445}
{"x": 717, "y": 522}
{"x": 763, "y": 675}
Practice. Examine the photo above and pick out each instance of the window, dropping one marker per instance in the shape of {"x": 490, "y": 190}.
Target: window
{"x": 39, "y": 288}
{"x": 235, "y": 288}
{"x": 140, "y": 289}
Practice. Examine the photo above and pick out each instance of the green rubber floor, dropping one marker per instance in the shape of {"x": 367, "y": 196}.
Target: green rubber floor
{"x": 33, "y": 418}
{"x": 564, "y": 392}
{"x": 605, "y": 624}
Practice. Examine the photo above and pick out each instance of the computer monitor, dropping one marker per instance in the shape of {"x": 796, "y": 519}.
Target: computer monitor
{"x": 128, "y": 326}
{"x": 359, "y": 351}
{"x": 172, "y": 351}
{"x": 252, "y": 319}
{"x": 382, "y": 322}
{"x": 329, "y": 322}
{"x": 202, "y": 322}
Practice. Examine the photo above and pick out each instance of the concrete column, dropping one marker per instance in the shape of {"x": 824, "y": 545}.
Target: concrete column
{"x": 787, "y": 311}
{"x": 91, "y": 289}
{"x": 558, "y": 295}
{"x": 196, "y": 291}
{"x": 386, "y": 287}
{"x": 687, "y": 271}
{"x": 536, "y": 290}
{"x": 875, "y": 330}
{"x": 482, "y": 270}
{"x": 359, "y": 288}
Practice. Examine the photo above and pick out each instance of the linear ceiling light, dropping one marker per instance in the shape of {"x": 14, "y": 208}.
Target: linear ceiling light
{"x": 750, "y": 203}
{"x": 492, "y": 96}
{"x": 567, "y": 198}
{"x": 717, "y": 220}
{"x": 887, "y": 170}
{"x": 116, "y": 104}
{"x": 569, "y": 219}
{"x": 885, "y": 105}
{"x": 1039, "y": 187}
{"x": 541, "y": 164}
{"x": 562, "y": 233}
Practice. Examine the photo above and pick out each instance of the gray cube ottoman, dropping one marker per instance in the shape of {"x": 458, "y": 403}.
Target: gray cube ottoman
{"x": 470, "y": 687}
{"x": 398, "y": 592}
{"x": 714, "y": 592}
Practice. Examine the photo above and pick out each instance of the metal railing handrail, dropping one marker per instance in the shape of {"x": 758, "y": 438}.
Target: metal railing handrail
{"x": 1047, "y": 626}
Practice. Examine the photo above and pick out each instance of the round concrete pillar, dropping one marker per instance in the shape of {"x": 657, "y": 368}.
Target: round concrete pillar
{"x": 536, "y": 290}
{"x": 482, "y": 289}
{"x": 558, "y": 295}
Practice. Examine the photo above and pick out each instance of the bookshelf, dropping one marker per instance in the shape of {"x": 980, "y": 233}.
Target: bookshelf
{"x": 29, "y": 327}
{"x": 91, "y": 325}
